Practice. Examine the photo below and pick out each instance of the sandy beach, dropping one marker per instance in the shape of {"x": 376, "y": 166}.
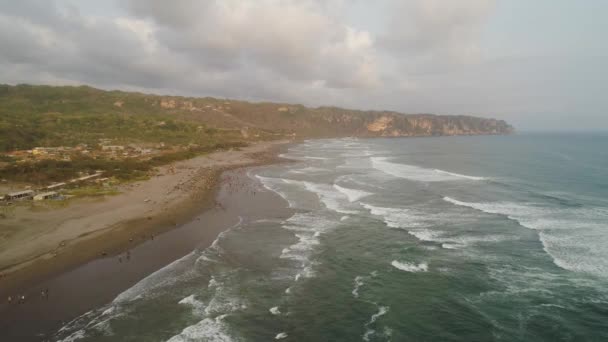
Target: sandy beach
{"x": 36, "y": 244}
{"x": 55, "y": 300}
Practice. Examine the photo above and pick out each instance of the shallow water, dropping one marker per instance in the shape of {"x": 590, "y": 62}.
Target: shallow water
{"x": 460, "y": 238}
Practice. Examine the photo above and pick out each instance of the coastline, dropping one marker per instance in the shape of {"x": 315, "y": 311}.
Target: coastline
{"x": 58, "y": 240}
{"x": 75, "y": 292}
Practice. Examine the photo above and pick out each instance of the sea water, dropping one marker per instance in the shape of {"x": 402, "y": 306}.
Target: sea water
{"x": 501, "y": 238}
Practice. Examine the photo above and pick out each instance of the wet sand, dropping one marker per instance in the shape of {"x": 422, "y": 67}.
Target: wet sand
{"x": 52, "y": 302}
{"x": 37, "y": 244}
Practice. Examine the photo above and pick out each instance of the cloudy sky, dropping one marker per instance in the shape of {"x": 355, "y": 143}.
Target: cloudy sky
{"x": 539, "y": 64}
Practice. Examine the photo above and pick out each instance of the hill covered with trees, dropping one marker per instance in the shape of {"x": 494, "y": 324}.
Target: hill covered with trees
{"x": 33, "y": 116}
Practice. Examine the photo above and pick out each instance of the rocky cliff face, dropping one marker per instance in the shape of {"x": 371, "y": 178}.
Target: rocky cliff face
{"x": 332, "y": 121}
{"x": 392, "y": 124}
{"x": 430, "y": 125}
{"x": 251, "y": 119}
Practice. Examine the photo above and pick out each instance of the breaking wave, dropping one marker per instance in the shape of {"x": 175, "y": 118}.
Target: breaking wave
{"x": 568, "y": 235}
{"x": 209, "y": 329}
{"x": 410, "y": 267}
{"x": 353, "y": 195}
{"x": 417, "y": 173}
{"x": 460, "y": 175}
{"x": 369, "y": 332}
{"x": 332, "y": 199}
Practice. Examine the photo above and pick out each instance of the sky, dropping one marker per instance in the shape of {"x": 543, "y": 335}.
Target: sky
{"x": 539, "y": 65}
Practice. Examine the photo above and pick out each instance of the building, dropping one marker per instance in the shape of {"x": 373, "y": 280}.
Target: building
{"x": 50, "y": 150}
{"x": 46, "y": 196}
{"x": 112, "y": 148}
{"x": 85, "y": 178}
{"x": 19, "y": 195}
{"x": 55, "y": 186}
{"x": 106, "y": 181}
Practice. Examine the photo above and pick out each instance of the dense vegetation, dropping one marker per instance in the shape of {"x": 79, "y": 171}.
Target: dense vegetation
{"x": 48, "y": 116}
{"x": 33, "y": 116}
{"x": 48, "y": 171}
{"x": 51, "y": 116}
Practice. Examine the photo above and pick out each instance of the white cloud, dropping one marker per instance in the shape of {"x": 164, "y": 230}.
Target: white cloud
{"x": 428, "y": 32}
{"x": 268, "y": 49}
{"x": 295, "y": 40}
{"x": 407, "y": 55}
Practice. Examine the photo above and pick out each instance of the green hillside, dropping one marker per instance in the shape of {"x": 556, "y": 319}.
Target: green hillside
{"x": 51, "y": 116}
{"x": 33, "y": 116}
{"x": 83, "y": 121}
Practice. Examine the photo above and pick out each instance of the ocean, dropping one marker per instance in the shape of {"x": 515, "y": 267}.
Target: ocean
{"x": 479, "y": 238}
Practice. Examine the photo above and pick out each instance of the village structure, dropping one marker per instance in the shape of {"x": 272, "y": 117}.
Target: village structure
{"x": 105, "y": 149}
{"x": 52, "y": 191}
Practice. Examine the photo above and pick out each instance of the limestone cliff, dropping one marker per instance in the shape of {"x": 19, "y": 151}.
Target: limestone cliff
{"x": 249, "y": 118}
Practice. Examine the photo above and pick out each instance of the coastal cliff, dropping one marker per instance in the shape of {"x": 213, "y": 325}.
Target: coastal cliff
{"x": 327, "y": 121}
{"x": 33, "y": 116}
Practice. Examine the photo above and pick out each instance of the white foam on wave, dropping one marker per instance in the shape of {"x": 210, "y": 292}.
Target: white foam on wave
{"x": 77, "y": 335}
{"x": 209, "y": 329}
{"x": 331, "y": 199}
{"x": 213, "y": 327}
{"x": 417, "y": 173}
{"x": 109, "y": 311}
{"x": 381, "y": 312}
{"x": 274, "y": 185}
{"x": 360, "y": 281}
{"x": 165, "y": 276}
{"x": 353, "y": 195}
{"x": 458, "y": 175}
{"x": 399, "y": 217}
{"x": 90, "y": 321}
{"x": 450, "y": 246}
{"x": 315, "y": 158}
{"x": 194, "y": 303}
{"x": 211, "y": 253}
{"x": 281, "y": 336}
{"x": 300, "y": 250}
{"x": 575, "y": 238}
{"x": 190, "y": 300}
{"x": 356, "y": 179}
{"x": 418, "y": 224}
{"x": 356, "y": 154}
{"x": 275, "y": 310}
{"x": 224, "y": 301}
{"x": 308, "y": 228}
{"x": 215, "y": 245}
{"x": 410, "y": 267}
{"x": 426, "y": 234}
{"x": 369, "y": 332}
{"x": 309, "y": 169}
{"x": 457, "y": 241}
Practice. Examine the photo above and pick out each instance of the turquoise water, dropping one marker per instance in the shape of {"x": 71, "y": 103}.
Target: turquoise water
{"x": 442, "y": 239}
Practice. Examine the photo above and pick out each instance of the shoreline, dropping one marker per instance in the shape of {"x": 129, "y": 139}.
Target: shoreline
{"x": 121, "y": 222}
{"x": 99, "y": 282}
